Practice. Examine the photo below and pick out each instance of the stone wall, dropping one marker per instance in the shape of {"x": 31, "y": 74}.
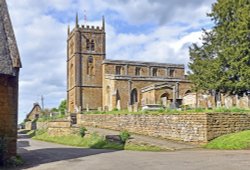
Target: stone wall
{"x": 189, "y": 127}
{"x": 224, "y": 123}
{"x": 61, "y": 128}
{"x": 57, "y": 131}
{"x": 8, "y": 112}
{"x": 42, "y": 125}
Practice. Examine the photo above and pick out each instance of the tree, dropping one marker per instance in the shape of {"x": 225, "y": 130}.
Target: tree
{"x": 62, "y": 107}
{"x": 222, "y": 62}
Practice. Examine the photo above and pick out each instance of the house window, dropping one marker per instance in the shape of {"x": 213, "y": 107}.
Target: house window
{"x": 154, "y": 72}
{"x": 118, "y": 70}
{"x": 137, "y": 71}
{"x": 171, "y": 72}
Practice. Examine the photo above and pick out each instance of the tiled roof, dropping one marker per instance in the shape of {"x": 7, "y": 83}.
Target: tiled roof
{"x": 9, "y": 55}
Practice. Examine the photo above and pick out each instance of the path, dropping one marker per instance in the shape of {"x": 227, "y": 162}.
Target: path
{"x": 48, "y": 156}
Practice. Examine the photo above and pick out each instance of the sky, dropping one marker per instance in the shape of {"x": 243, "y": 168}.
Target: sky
{"x": 144, "y": 30}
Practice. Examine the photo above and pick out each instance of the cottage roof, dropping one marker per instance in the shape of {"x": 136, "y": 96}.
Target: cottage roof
{"x": 9, "y": 55}
{"x": 36, "y": 109}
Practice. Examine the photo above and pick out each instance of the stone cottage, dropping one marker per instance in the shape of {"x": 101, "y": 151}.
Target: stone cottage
{"x": 35, "y": 112}
{"x": 9, "y": 71}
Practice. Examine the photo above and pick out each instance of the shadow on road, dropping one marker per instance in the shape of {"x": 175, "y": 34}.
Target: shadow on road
{"x": 36, "y": 157}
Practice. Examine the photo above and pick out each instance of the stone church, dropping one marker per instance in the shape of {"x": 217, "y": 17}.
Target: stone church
{"x": 9, "y": 71}
{"x": 94, "y": 82}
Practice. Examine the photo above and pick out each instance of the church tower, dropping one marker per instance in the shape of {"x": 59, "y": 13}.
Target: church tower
{"x": 85, "y": 54}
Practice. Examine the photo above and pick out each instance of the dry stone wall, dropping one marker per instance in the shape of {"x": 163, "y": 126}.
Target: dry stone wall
{"x": 186, "y": 127}
{"x": 224, "y": 123}
{"x": 190, "y": 127}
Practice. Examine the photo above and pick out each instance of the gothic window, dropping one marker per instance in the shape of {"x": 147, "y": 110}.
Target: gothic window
{"x": 108, "y": 95}
{"x": 71, "y": 75}
{"x": 92, "y": 45}
{"x": 133, "y": 97}
{"x": 137, "y": 71}
{"x": 87, "y": 44}
{"x": 90, "y": 66}
{"x": 118, "y": 70}
{"x": 154, "y": 72}
{"x": 171, "y": 73}
{"x": 71, "y": 46}
{"x": 164, "y": 98}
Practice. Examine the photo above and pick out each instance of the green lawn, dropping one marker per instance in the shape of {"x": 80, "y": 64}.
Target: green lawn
{"x": 94, "y": 141}
{"x": 91, "y": 141}
{"x": 240, "y": 140}
{"x": 174, "y": 111}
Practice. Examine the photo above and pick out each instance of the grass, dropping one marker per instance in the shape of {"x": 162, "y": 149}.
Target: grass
{"x": 134, "y": 147}
{"x": 45, "y": 118}
{"x": 175, "y": 111}
{"x": 93, "y": 141}
{"x": 234, "y": 141}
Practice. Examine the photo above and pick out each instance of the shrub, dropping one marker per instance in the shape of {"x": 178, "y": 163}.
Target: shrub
{"x": 124, "y": 135}
{"x": 115, "y": 109}
{"x": 161, "y": 110}
{"x": 82, "y": 131}
{"x": 14, "y": 161}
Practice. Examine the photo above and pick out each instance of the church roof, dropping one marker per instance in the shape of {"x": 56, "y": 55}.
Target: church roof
{"x": 9, "y": 55}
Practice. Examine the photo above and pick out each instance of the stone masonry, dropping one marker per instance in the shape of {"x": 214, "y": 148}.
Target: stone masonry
{"x": 94, "y": 82}
{"x": 9, "y": 71}
{"x": 185, "y": 127}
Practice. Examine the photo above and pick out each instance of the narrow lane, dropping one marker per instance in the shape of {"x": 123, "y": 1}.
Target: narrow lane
{"x": 49, "y": 156}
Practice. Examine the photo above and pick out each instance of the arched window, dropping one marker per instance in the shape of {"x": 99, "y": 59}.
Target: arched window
{"x": 134, "y": 97}
{"x": 154, "y": 72}
{"x": 90, "y": 66}
{"x": 172, "y": 72}
{"x": 164, "y": 98}
{"x": 138, "y": 71}
{"x": 87, "y": 44}
{"x": 108, "y": 95}
{"x": 118, "y": 70}
{"x": 71, "y": 74}
{"x": 92, "y": 45}
{"x": 187, "y": 92}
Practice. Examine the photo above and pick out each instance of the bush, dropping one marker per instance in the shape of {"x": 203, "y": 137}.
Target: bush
{"x": 115, "y": 109}
{"x": 82, "y": 131}
{"x": 14, "y": 161}
{"x": 124, "y": 135}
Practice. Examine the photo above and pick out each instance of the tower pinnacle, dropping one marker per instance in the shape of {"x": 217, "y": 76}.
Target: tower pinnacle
{"x": 77, "y": 25}
{"x": 103, "y": 23}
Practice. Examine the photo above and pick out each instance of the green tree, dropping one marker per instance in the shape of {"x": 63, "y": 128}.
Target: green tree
{"x": 62, "y": 107}
{"x": 222, "y": 62}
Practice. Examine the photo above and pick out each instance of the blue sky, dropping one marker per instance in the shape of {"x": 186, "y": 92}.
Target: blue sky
{"x": 147, "y": 30}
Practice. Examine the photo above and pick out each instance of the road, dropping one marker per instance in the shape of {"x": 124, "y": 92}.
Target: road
{"x": 48, "y": 156}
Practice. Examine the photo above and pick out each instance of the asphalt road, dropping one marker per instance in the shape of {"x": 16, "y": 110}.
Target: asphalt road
{"x": 48, "y": 156}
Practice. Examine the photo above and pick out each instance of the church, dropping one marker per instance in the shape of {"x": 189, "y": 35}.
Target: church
{"x": 97, "y": 83}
